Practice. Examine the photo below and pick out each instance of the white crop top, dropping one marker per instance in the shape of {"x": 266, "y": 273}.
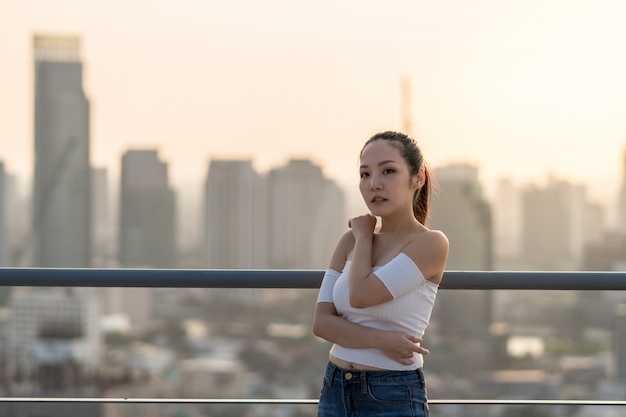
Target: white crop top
{"x": 409, "y": 311}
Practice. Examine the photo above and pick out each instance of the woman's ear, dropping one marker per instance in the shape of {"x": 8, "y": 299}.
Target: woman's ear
{"x": 419, "y": 179}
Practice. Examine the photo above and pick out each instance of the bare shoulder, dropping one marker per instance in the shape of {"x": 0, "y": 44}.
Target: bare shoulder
{"x": 346, "y": 240}
{"x": 429, "y": 251}
{"x": 436, "y": 239}
{"x": 342, "y": 250}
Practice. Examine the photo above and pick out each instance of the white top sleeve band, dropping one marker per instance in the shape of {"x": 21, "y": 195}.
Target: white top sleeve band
{"x": 400, "y": 275}
{"x": 328, "y": 283}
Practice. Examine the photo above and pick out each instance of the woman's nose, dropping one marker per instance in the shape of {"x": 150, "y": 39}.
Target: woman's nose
{"x": 375, "y": 183}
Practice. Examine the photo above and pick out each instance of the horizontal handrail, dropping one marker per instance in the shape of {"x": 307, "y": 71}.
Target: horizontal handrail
{"x": 267, "y": 278}
{"x": 105, "y": 400}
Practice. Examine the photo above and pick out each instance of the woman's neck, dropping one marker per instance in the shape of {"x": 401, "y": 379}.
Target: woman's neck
{"x": 397, "y": 224}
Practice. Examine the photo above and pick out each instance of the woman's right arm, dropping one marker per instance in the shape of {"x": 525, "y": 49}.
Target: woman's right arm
{"x": 328, "y": 325}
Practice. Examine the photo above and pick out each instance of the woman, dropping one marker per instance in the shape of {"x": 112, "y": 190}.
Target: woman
{"x": 378, "y": 292}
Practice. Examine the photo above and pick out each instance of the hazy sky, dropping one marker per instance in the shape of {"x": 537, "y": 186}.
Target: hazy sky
{"x": 521, "y": 88}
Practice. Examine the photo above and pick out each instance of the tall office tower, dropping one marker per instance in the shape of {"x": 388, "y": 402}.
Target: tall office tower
{"x": 621, "y": 204}
{"x": 18, "y": 221}
{"x": 61, "y": 223}
{"x": 607, "y": 251}
{"x": 103, "y": 229}
{"x": 460, "y": 210}
{"x": 507, "y": 224}
{"x": 235, "y": 216}
{"x": 307, "y": 215}
{"x": 594, "y": 223}
{"x": 147, "y": 212}
{"x": 4, "y": 205}
{"x": 553, "y": 225}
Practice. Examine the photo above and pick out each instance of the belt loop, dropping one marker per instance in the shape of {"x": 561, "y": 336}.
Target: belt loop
{"x": 363, "y": 380}
{"x": 420, "y": 375}
{"x": 332, "y": 370}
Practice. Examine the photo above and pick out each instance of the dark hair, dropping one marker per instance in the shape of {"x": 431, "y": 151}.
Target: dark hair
{"x": 415, "y": 160}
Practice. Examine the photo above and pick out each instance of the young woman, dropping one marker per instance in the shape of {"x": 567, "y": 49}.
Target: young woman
{"x": 378, "y": 292}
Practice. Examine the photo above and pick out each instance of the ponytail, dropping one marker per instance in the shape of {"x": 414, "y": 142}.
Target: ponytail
{"x": 421, "y": 198}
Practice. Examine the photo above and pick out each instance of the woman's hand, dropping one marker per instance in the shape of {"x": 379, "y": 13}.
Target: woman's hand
{"x": 364, "y": 287}
{"x": 400, "y": 347}
{"x": 362, "y": 226}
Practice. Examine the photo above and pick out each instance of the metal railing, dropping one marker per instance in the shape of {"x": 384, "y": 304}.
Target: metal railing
{"x": 298, "y": 279}
{"x": 263, "y": 278}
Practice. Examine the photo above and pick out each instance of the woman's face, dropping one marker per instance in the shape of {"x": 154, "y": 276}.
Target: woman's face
{"x": 386, "y": 183}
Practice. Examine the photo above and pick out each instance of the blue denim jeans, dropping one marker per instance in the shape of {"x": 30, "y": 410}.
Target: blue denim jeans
{"x": 347, "y": 393}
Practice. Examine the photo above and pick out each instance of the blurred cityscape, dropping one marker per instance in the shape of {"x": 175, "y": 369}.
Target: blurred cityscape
{"x": 245, "y": 343}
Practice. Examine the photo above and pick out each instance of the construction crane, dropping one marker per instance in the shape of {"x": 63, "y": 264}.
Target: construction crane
{"x": 407, "y": 121}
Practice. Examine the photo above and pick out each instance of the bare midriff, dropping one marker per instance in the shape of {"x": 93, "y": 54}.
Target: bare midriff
{"x": 351, "y": 365}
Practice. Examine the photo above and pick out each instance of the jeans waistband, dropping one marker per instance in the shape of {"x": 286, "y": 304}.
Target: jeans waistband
{"x": 349, "y": 376}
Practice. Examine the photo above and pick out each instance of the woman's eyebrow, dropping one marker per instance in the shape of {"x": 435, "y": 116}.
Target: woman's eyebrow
{"x": 380, "y": 163}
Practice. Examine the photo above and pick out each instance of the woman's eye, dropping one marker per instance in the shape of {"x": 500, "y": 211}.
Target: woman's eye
{"x": 389, "y": 171}
{"x": 364, "y": 174}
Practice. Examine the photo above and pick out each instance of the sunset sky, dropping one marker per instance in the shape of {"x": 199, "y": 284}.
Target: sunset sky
{"x": 519, "y": 88}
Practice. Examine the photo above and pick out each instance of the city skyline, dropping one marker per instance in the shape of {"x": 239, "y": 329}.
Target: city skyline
{"x": 491, "y": 83}
{"x": 269, "y": 104}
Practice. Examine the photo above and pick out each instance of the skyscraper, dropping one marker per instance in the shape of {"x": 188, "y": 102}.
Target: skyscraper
{"x": 61, "y": 223}
{"x": 460, "y": 210}
{"x": 621, "y": 204}
{"x": 507, "y": 224}
{"x": 235, "y": 216}
{"x": 306, "y": 216}
{"x": 4, "y": 235}
{"x": 552, "y": 223}
{"x": 103, "y": 225}
{"x": 147, "y": 212}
